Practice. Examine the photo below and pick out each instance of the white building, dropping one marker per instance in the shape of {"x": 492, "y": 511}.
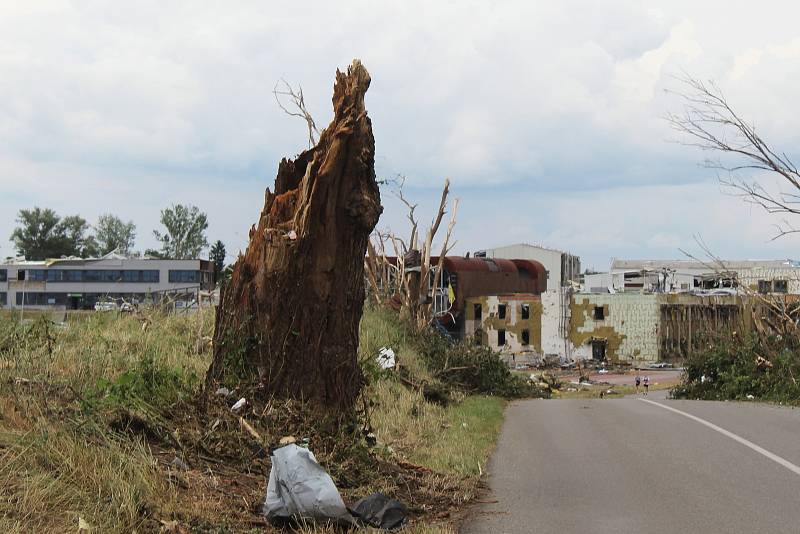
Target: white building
{"x": 675, "y": 276}
{"x": 75, "y": 283}
{"x": 563, "y": 274}
{"x": 562, "y": 267}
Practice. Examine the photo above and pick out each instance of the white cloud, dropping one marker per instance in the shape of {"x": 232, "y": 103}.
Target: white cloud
{"x": 524, "y": 105}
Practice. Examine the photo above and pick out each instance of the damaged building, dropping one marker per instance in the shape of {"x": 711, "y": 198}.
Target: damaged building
{"x": 656, "y": 310}
{"x": 532, "y": 303}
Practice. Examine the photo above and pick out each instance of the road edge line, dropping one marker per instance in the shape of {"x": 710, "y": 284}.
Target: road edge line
{"x": 761, "y": 450}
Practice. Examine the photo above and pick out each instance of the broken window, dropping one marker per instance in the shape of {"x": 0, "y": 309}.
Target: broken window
{"x": 478, "y": 337}
{"x": 501, "y": 311}
{"x": 21, "y": 274}
{"x": 599, "y": 349}
{"x": 526, "y": 337}
{"x": 526, "y": 311}
{"x": 599, "y": 313}
{"x": 477, "y": 310}
{"x": 764, "y": 287}
{"x": 780, "y": 286}
{"x": 501, "y": 338}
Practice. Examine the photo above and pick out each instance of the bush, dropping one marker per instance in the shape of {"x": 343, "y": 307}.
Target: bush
{"x": 734, "y": 368}
{"x": 471, "y": 368}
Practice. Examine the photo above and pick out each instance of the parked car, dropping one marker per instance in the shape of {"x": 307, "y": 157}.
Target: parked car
{"x": 105, "y": 306}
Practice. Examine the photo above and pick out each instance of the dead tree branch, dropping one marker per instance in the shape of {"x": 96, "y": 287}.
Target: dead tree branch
{"x": 297, "y": 100}
{"x": 709, "y": 123}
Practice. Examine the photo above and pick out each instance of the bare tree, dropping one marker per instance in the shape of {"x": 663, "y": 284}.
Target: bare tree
{"x": 709, "y": 122}
{"x": 297, "y": 101}
{"x": 414, "y": 271}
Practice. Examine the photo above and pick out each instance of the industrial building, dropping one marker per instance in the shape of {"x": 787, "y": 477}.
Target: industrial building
{"x": 78, "y": 284}
{"x": 641, "y": 311}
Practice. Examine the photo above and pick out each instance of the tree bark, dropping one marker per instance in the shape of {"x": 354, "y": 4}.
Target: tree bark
{"x": 288, "y": 319}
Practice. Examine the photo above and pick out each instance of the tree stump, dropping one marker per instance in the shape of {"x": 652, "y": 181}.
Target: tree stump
{"x": 289, "y": 316}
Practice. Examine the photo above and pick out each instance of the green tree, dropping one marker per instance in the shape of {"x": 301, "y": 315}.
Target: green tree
{"x": 42, "y": 234}
{"x": 217, "y": 256}
{"x": 185, "y": 235}
{"x": 112, "y": 234}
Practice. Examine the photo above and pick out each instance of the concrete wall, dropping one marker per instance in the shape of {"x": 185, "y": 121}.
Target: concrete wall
{"x": 556, "y": 323}
{"x": 513, "y": 324}
{"x": 629, "y": 326}
{"x": 751, "y": 277}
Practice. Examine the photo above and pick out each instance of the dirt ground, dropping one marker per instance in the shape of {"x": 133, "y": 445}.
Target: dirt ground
{"x": 658, "y": 377}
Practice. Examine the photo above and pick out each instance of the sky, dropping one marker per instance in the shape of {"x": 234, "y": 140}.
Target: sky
{"x": 547, "y": 117}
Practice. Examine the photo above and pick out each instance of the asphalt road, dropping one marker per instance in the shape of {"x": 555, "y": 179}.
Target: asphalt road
{"x": 623, "y": 465}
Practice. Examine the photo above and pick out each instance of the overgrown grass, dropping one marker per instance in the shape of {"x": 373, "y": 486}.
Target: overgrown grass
{"x": 51, "y": 476}
{"x": 738, "y": 369}
{"x": 78, "y": 404}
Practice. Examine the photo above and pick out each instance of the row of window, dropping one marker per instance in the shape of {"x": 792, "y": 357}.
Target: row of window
{"x": 773, "y": 286}
{"x": 42, "y": 299}
{"x": 524, "y": 309}
{"x": 185, "y": 277}
{"x": 107, "y": 275}
{"x": 87, "y": 275}
{"x": 525, "y": 338}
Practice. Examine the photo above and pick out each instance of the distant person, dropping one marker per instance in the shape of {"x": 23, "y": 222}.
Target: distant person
{"x": 637, "y": 381}
{"x": 646, "y": 383}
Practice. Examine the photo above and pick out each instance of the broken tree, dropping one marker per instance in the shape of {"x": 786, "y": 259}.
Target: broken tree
{"x": 288, "y": 319}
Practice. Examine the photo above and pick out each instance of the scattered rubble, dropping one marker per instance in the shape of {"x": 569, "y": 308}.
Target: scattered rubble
{"x": 300, "y": 489}
{"x": 241, "y": 403}
{"x": 386, "y": 358}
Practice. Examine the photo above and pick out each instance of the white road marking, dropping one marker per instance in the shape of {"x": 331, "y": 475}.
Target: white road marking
{"x": 772, "y": 456}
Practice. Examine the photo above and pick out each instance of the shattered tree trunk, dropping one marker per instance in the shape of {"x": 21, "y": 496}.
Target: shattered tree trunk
{"x": 289, "y": 316}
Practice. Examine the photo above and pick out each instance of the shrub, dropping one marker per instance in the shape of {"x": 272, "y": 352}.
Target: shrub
{"x": 766, "y": 368}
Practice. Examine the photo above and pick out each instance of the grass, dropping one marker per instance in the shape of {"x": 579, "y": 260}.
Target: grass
{"x": 467, "y": 437}
{"x": 92, "y": 414}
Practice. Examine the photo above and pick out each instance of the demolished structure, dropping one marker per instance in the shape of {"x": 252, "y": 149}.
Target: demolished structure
{"x": 639, "y": 312}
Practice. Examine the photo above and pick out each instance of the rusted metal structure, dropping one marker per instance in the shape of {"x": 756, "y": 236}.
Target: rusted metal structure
{"x": 461, "y": 279}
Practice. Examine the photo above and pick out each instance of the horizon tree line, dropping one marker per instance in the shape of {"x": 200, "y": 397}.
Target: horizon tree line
{"x": 41, "y": 234}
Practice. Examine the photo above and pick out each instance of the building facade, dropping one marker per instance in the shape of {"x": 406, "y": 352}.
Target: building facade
{"x": 562, "y": 268}
{"x": 75, "y": 284}
{"x": 509, "y": 324}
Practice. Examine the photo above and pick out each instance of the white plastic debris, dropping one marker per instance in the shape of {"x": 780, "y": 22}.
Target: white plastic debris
{"x": 223, "y": 392}
{"x": 299, "y": 487}
{"x": 751, "y": 397}
{"x": 239, "y": 405}
{"x": 386, "y": 358}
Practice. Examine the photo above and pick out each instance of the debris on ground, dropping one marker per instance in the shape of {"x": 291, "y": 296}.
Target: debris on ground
{"x": 386, "y": 358}
{"x": 223, "y": 392}
{"x": 179, "y": 464}
{"x": 239, "y": 405}
{"x": 300, "y": 489}
{"x": 379, "y": 511}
